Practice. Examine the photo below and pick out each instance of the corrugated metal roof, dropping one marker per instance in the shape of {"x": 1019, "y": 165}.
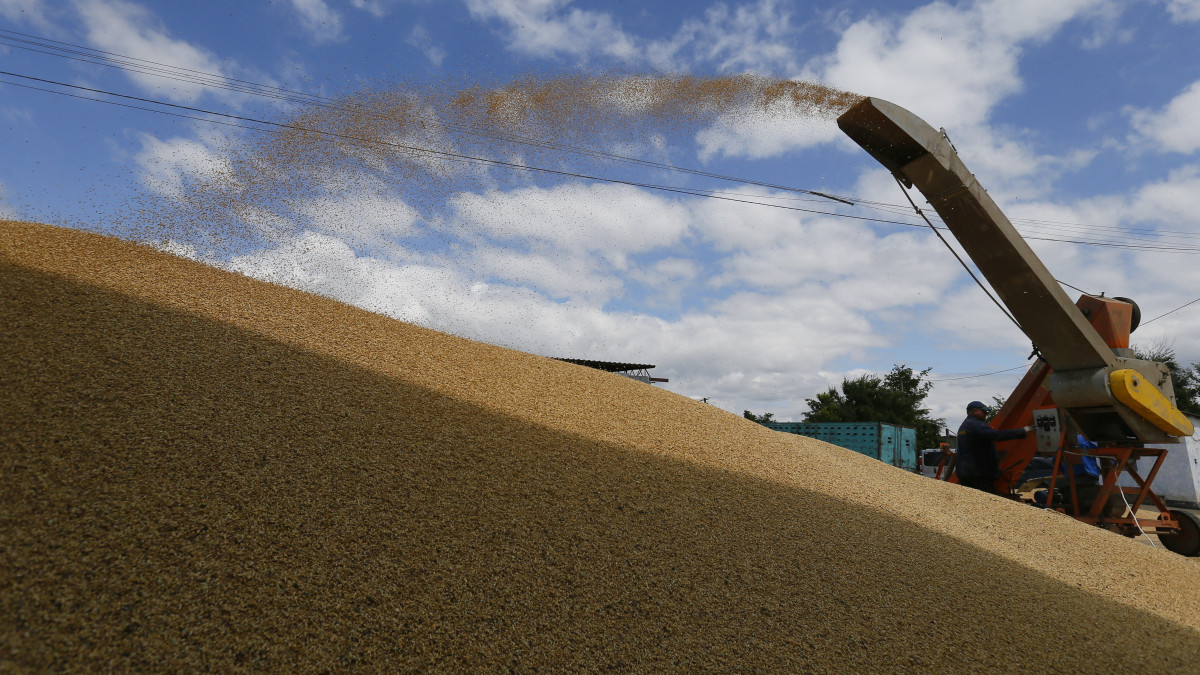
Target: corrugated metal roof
{"x": 610, "y": 366}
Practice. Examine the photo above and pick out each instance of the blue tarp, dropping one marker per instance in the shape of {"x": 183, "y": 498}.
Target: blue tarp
{"x": 1090, "y": 466}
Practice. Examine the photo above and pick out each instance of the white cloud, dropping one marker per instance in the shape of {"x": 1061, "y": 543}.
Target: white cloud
{"x": 167, "y": 165}
{"x": 967, "y": 319}
{"x": 133, "y": 30}
{"x": 323, "y": 23}
{"x": 376, "y": 8}
{"x": 420, "y": 39}
{"x": 611, "y": 220}
{"x": 573, "y": 241}
{"x": 29, "y": 11}
{"x": 1173, "y": 128}
{"x": 556, "y": 275}
{"x": 1184, "y": 10}
{"x": 754, "y": 37}
{"x": 668, "y": 279}
{"x": 860, "y": 268}
{"x": 947, "y": 63}
{"x": 361, "y": 216}
{"x": 17, "y": 115}
{"x": 1174, "y": 202}
{"x": 761, "y": 133}
{"x": 547, "y": 28}
{"x": 1168, "y": 208}
{"x": 950, "y": 64}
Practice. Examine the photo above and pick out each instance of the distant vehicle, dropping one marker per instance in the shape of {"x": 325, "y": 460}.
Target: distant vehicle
{"x": 929, "y": 461}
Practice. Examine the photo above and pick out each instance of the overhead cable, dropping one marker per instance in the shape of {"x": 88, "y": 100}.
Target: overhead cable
{"x": 1171, "y": 312}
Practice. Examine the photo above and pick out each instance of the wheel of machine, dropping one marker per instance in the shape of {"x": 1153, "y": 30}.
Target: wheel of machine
{"x": 1187, "y": 542}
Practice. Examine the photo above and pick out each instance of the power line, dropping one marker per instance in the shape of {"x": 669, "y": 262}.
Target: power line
{"x": 1172, "y": 311}
{"x": 970, "y": 377}
{"x": 1076, "y": 288}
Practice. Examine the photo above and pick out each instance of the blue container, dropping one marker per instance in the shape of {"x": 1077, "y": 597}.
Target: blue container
{"x": 888, "y": 443}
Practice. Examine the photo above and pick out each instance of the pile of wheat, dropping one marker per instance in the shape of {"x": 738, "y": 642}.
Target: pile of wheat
{"x": 199, "y": 471}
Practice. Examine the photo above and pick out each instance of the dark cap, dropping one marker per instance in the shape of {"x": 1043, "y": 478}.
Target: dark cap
{"x": 977, "y": 404}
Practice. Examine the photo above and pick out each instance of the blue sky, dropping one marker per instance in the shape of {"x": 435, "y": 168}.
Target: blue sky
{"x": 1078, "y": 116}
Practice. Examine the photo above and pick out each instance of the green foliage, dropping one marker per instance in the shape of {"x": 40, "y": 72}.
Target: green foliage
{"x": 1186, "y": 381}
{"x": 997, "y": 404}
{"x": 761, "y": 419}
{"x": 895, "y": 398}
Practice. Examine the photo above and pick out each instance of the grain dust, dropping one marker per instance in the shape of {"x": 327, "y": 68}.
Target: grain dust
{"x": 203, "y": 472}
{"x": 419, "y": 144}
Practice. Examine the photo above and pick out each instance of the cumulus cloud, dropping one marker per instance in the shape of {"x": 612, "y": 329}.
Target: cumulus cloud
{"x": 420, "y": 39}
{"x": 376, "y": 8}
{"x": 27, "y": 11}
{"x": 573, "y": 241}
{"x": 756, "y": 36}
{"x": 1173, "y": 201}
{"x": 763, "y": 133}
{"x": 365, "y": 218}
{"x": 1172, "y": 128}
{"x": 1166, "y": 210}
{"x": 1184, "y": 10}
{"x": 323, "y": 23}
{"x": 950, "y": 63}
{"x": 131, "y": 29}
{"x": 556, "y": 275}
{"x": 549, "y": 28}
{"x": 609, "y": 220}
{"x": 166, "y": 165}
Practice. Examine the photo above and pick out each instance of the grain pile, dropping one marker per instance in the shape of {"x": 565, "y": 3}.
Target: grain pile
{"x": 199, "y": 471}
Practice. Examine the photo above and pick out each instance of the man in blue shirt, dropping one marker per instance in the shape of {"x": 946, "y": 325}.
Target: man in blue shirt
{"x": 977, "y": 465}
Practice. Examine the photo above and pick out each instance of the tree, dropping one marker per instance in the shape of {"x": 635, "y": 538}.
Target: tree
{"x": 761, "y": 419}
{"x": 997, "y": 404}
{"x": 895, "y": 398}
{"x": 1186, "y": 381}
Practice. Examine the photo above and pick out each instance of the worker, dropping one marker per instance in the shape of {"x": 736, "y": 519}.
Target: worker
{"x": 977, "y": 464}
